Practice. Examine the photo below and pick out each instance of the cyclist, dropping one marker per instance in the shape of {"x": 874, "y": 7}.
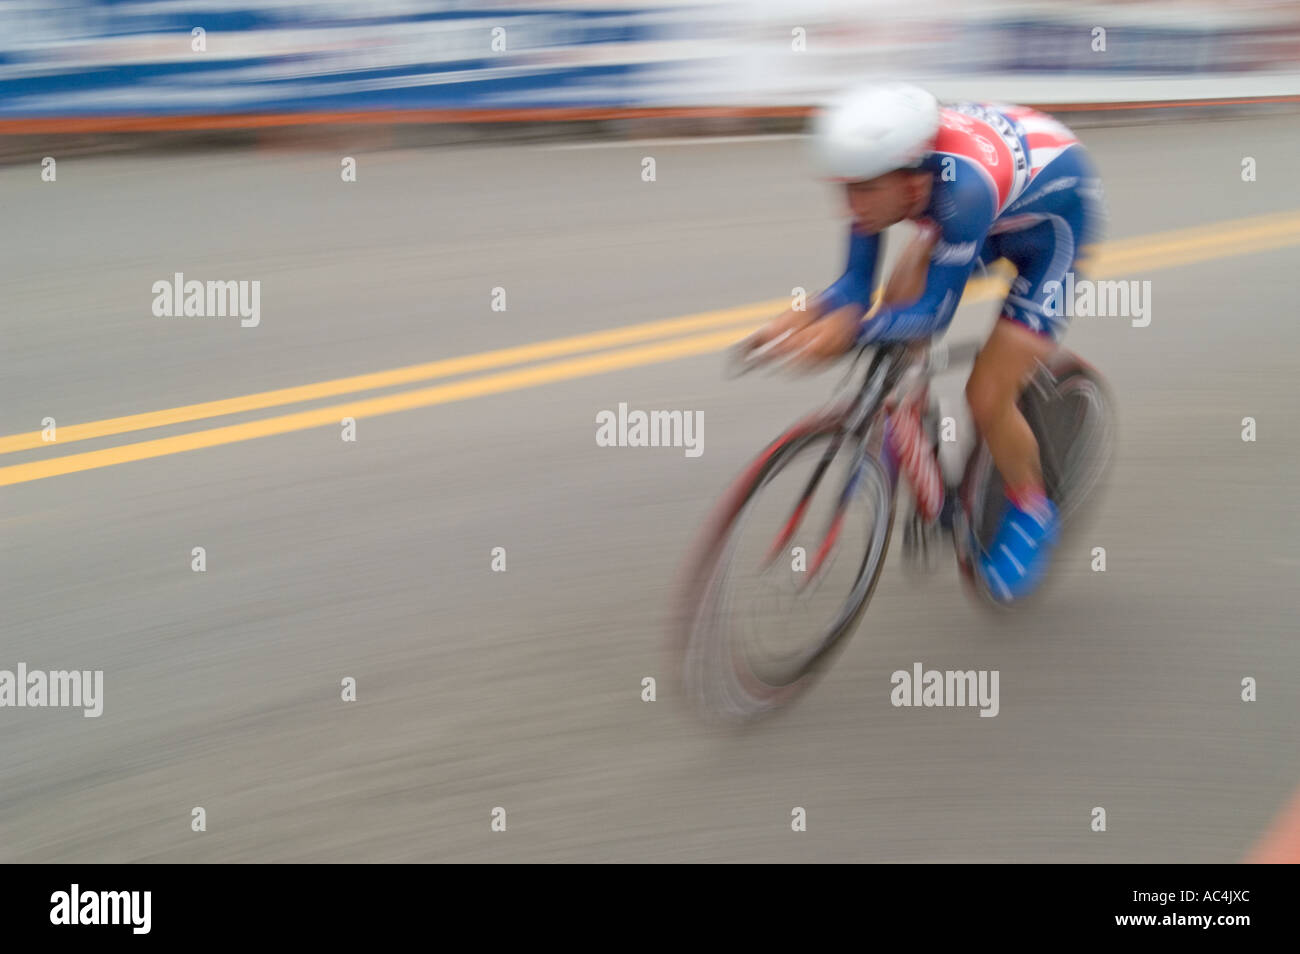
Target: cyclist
{"x": 982, "y": 182}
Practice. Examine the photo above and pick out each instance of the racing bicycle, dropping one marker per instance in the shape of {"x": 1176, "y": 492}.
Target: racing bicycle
{"x": 787, "y": 564}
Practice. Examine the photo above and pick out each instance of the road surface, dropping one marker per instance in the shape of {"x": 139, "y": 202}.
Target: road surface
{"x": 371, "y": 559}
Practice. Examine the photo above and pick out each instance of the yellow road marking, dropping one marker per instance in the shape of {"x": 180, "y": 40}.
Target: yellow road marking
{"x": 408, "y": 375}
{"x": 373, "y": 407}
{"x": 1213, "y": 233}
{"x": 1162, "y": 250}
{"x": 1196, "y": 245}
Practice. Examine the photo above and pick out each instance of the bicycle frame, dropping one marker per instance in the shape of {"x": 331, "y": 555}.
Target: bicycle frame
{"x": 887, "y": 368}
{"x": 898, "y": 374}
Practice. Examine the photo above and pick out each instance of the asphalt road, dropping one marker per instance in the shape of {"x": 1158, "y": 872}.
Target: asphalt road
{"x": 371, "y": 559}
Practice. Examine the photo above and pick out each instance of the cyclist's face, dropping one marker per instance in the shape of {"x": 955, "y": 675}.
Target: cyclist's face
{"x": 886, "y": 200}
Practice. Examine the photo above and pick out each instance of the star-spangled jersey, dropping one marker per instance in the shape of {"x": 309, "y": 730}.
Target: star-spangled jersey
{"x": 996, "y": 169}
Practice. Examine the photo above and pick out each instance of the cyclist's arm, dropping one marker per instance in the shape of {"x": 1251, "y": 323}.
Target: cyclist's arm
{"x": 928, "y": 316}
{"x": 845, "y": 299}
{"x": 952, "y": 260}
{"x": 855, "y": 285}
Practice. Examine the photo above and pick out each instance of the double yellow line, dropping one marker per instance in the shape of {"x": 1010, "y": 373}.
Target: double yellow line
{"x": 580, "y": 356}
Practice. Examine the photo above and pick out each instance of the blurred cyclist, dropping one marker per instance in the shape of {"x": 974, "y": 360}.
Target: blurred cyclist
{"x": 981, "y": 182}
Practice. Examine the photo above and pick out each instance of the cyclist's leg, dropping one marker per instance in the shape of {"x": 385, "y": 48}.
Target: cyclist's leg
{"x": 1005, "y": 362}
{"x": 993, "y": 391}
{"x": 1055, "y": 228}
{"x": 1025, "y": 334}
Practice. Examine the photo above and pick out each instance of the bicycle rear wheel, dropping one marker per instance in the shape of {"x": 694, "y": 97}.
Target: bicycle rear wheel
{"x": 757, "y": 621}
{"x": 1072, "y": 414}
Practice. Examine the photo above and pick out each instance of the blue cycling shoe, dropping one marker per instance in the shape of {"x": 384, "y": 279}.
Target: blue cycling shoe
{"x": 1021, "y": 550}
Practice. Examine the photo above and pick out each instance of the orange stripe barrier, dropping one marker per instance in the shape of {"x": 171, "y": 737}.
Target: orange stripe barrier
{"x": 118, "y": 124}
{"x": 1281, "y": 846}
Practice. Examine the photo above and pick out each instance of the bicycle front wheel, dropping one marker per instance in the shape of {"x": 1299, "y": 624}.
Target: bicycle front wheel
{"x": 786, "y": 570}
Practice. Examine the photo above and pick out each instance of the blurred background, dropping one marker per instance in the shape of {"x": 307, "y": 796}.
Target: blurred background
{"x": 496, "y": 272}
{"x": 92, "y": 58}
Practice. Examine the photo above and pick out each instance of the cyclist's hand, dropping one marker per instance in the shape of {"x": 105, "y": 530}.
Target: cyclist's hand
{"x": 762, "y": 346}
{"x": 824, "y": 340}
{"x": 789, "y": 322}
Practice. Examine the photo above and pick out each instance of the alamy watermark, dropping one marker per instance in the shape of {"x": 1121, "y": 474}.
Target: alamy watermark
{"x": 76, "y": 906}
{"x": 949, "y": 687}
{"x": 179, "y": 298}
{"x": 55, "y": 689}
{"x": 1082, "y": 297}
{"x": 626, "y": 428}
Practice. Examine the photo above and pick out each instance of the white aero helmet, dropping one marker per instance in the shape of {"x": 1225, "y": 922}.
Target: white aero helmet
{"x": 875, "y": 129}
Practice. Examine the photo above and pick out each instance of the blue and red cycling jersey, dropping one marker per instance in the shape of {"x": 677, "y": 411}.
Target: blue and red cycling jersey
{"x": 1009, "y": 182}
